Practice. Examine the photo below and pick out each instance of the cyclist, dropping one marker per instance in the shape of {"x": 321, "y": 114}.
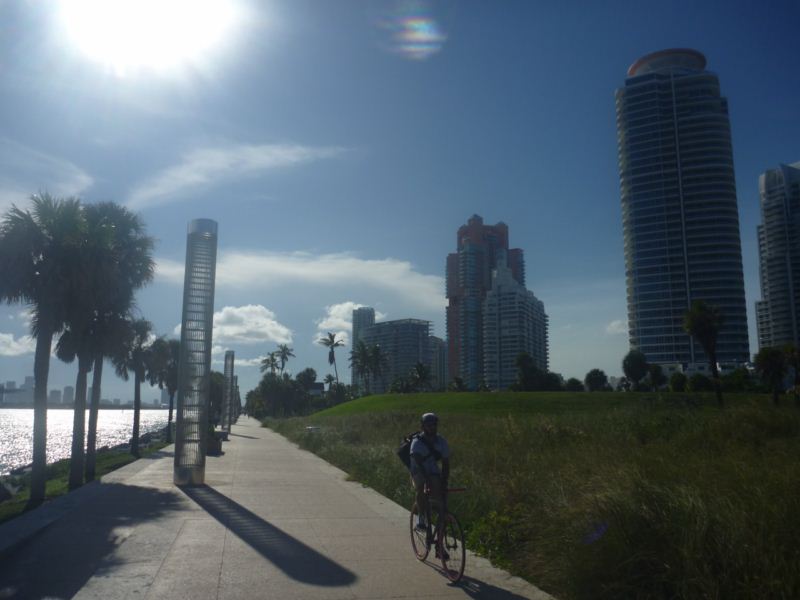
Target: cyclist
{"x": 426, "y": 452}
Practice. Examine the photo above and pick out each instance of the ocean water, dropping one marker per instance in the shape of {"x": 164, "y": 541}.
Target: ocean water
{"x": 113, "y": 427}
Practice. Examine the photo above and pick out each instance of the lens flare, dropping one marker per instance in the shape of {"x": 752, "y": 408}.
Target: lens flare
{"x": 411, "y": 30}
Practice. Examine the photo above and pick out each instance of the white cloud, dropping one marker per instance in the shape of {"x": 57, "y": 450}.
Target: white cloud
{"x": 246, "y": 271}
{"x": 339, "y": 319}
{"x": 249, "y": 362}
{"x": 617, "y": 327}
{"x": 10, "y": 346}
{"x": 249, "y": 324}
{"x": 27, "y": 171}
{"x": 210, "y": 166}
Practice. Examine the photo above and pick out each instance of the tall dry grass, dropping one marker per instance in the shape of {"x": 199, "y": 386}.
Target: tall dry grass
{"x": 659, "y": 499}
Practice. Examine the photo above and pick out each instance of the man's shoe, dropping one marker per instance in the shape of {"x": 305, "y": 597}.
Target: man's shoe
{"x": 421, "y": 527}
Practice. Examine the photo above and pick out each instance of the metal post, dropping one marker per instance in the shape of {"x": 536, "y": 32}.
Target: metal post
{"x": 227, "y": 393}
{"x": 194, "y": 370}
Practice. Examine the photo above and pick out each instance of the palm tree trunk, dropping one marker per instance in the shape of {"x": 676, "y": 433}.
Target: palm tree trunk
{"x": 137, "y": 405}
{"x": 94, "y": 408}
{"x": 79, "y": 425}
{"x": 169, "y": 418}
{"x": 41, "y": 370}
{"x": 335, "y": 370}
{"x": 712, "y": 360}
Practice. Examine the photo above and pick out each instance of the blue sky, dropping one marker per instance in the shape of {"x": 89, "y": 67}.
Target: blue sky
{"x": 340, "y": 150}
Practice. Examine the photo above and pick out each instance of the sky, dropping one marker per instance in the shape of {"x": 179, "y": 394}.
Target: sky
{"x": 340, "y": 145}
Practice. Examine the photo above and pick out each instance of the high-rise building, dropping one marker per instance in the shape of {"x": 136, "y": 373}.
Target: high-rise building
{"x": 405, "y": 342}
{"x": 164, "y": 396}
{"x": 469, "y": 278}
{"x": 68, "y": 395}
{"x": 54, "y": 398}
{"x": 779, "y": 256}
{"x": 11, "y": 385}
{"x": 514, "y": 322}
{"x": 679, "y": 209}
{"x": 439, "y": 378}
{"x": 363, "y": 319}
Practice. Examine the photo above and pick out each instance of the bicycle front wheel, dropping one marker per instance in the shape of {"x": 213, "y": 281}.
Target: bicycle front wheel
{"x": 419, "y": 537}
{"x": 451, "y": 549}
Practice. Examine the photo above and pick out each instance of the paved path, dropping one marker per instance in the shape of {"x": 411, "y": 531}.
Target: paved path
{"x": 272, "y": 521}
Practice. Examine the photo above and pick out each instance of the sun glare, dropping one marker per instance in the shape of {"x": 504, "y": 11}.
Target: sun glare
{"x": 159, "y": 35}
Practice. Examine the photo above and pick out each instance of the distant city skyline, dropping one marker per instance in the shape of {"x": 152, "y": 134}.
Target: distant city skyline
{"x": 339, "y": 165}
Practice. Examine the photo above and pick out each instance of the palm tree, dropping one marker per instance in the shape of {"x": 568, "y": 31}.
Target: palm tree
{"x": 107, "y": 341}
{"x": 283, "y": 354}
{"x": 330, "y": 380}
{"x": 378, "y": 362}
{"x": 115, "y": 261}
{"x": 361, "y": 363}
{"x": 420, "y": 378}
{"x": 163, "y": 371}
{"x": 269, "y": 363}
{"x": 39, "y": 266}
{"x": 703, "y": 322}
{"x": 771, "y": 365}
{"x": 331, "y": 343}
{"x": 135, "y": 359}
{"x": 74, "y": 343}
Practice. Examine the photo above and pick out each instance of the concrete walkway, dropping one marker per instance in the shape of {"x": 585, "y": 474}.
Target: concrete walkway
{"x": 272, "y": 521}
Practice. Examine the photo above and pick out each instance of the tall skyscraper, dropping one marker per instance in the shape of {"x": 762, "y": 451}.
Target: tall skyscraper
{"x": 405, "y": 342}
{"x": 679, "y": 210}
{"x": 439, "y": 379}
{"x": 514, "y": 321}
{"x": 779, "y": 256}
{"x": 363, "y": 319}
{"x": 68, "y": 395}
{"x": 54, "y": 398}
{"x": 469, "y": 278}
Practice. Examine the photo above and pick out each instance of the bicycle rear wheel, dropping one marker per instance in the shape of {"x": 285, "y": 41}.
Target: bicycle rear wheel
{"x": 418, "y": 537}
{"x": 451, "y": 549}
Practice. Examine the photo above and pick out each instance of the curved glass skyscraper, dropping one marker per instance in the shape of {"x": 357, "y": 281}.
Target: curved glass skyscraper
{"x": 679, "y": 208}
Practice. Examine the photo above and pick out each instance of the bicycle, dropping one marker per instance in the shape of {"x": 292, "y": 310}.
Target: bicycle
{"x": 444, "y": 534}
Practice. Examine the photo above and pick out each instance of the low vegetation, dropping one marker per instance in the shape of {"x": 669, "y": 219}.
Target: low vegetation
{"x": 602, "y": 495}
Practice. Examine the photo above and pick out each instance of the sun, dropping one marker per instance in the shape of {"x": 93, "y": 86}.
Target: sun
{"x": 158, "y": 35}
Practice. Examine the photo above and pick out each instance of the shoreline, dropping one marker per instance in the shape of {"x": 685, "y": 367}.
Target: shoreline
{"x": 72, "y": 407}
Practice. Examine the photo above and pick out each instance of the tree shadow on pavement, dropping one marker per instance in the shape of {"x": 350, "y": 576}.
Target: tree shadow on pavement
{"x": 300, "y": 562}
{"x": 59, "y": 560}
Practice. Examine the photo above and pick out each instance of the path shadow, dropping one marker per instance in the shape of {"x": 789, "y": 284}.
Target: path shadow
{"x": 476, "y": 588}
{"x": 59, "y": 560}
{"x": 249, "y": 437}
{"x": 293, "y": 557}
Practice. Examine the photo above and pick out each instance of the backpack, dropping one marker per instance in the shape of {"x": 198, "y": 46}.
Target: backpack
{"x": 404, "y": 451}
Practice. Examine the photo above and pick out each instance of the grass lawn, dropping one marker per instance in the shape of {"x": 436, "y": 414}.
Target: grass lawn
{"x": 58, "y": 477}
{"x": 601, "y": 495}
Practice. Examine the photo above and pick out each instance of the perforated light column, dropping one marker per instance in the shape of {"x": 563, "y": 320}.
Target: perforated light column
{"x": 194, "y": 371}
{"x": 226, "y": 418}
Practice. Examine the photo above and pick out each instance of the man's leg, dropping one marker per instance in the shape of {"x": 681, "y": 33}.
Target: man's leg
{"x": 422, "y": 500}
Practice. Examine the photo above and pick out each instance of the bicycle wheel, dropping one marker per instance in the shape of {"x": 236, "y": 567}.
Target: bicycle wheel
{"x": 450, "y": 549}
{"x": 418, "y": 537}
